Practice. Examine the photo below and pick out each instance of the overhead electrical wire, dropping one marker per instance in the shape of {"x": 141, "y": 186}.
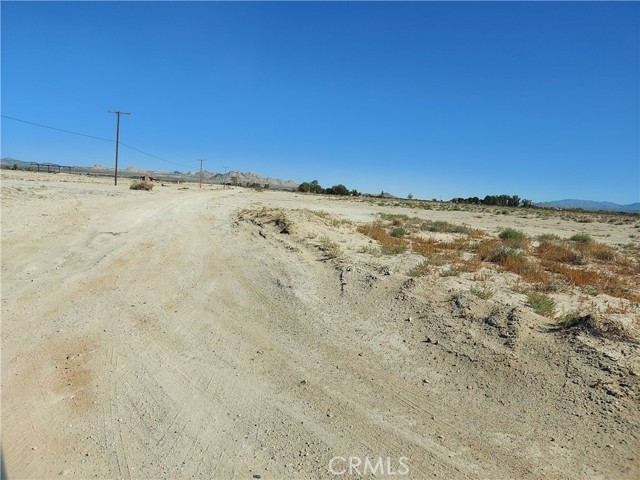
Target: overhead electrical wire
{"x": 95, "y": 138}
{"x": 58, "y": 129}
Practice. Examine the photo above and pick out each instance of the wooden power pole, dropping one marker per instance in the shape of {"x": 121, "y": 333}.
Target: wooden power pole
{"x": 201, "y": 172}
{"x": 118, "y": 141}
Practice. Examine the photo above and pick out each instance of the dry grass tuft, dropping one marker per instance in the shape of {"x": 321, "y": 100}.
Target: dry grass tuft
{"x": 331, "y": 248}
{"x": 141, "y": 185}
{"x": 541, "y": 303}
{"x": 389, "y": 245}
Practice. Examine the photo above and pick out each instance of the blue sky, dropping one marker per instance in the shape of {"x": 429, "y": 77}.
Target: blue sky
{"x": 437, "y": 99}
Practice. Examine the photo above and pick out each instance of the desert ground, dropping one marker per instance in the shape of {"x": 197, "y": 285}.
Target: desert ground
{"x": 221, "y": 333}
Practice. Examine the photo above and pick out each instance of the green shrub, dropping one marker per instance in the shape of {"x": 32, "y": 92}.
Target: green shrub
{"x": 513, "y": 238}
{"x": 452, "y": 271}
{"x": 582, "y": 238}
{"x": 570, "y": 319}
{"x": 444, "y": 227}
{"x": 483, "y": 293}
{"x": 542, "y": 304}
{"x": 398, "y": 232}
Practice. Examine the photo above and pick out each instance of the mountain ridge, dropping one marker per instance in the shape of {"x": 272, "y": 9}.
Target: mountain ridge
{"x": 572, "y": 203}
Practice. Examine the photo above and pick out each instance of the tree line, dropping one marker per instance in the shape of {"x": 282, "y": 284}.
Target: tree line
{"x": 314, "y": 187}
{"x": 499, "y": 200}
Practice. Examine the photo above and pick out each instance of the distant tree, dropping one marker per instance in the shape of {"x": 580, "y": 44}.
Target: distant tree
{"x": 304, "y": 187}
{"x": 338, "y": 190}
{"x": 355, "y": 193}
{"x": 490, "y": 200}
{"x": 526, "y": 203}
{"x": 515, "y": 201}
{"x": 315, "y": 187}
{"x": 267, "y": 186}
{"x": 410, "y": 196}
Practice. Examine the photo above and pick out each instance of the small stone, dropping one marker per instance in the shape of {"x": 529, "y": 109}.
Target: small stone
{"x": 424, "y": 380}
{"x": 609, "y": 446}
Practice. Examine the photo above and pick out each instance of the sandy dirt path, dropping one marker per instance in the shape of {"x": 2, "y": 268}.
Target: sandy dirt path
{"x": 159, "y": 336}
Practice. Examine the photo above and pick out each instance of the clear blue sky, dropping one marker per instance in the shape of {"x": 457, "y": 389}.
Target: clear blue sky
{"x": 437, "y": 99}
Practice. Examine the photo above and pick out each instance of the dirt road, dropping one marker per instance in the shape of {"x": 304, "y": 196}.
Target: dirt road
{"x": 179, "y": 334}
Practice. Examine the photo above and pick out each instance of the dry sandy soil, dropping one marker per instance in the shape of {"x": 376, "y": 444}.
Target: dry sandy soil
{"x": 207, "y": 333}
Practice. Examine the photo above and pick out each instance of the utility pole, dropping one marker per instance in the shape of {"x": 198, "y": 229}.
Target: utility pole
{"x": 118, "y": 140}
{"x": 201, "y": 172}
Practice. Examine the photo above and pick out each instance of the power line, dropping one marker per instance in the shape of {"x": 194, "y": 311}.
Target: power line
{"x": 153, "y": 156}
{"x": 58, "y": 129}
{"x": 96, "y": 138}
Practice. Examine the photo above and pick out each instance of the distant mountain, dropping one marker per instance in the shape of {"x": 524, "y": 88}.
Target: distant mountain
{"x": 591, "y": 205}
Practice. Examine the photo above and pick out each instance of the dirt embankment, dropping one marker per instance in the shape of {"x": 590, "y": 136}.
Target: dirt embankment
{"x": 233, "y": 334}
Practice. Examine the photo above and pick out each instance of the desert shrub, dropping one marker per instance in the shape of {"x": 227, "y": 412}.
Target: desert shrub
{"x": 548, "y": 237}
{"x": 484, "y": 293}
{"x": 388, "y": 245}
{"x": 457, "y": 244}
{"x": 513, "y": 237}
{"x": 394, "y": 217}
{"x": 451, "y": 271}
{"x": 582, "y": 238}
{"x": 331, "y": 248}
{"x": 476, "y": 233}
{"x": 601, "y": 252}
{"x": 393, "y": 248}
{"x": 542, "y": 304}
{"x": 281, "y": 222}
{"x": 370, "y": 250}
{"x": 489, "y": 250}
{"x": 141, "y": 185}
{"x": 579, "y": 277}
{"x": 444, "y": 227}
{"x": 424, "y": 246}
{"x": 558, "y": 252}
{"x": 398, "y": 232}
{"x": 420, "y": 270}
{"x": 469, "y": 265}
{"x": 595, "y": 325}
{"x": 592, "y": 290}
{"x": 528, "y": 270}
